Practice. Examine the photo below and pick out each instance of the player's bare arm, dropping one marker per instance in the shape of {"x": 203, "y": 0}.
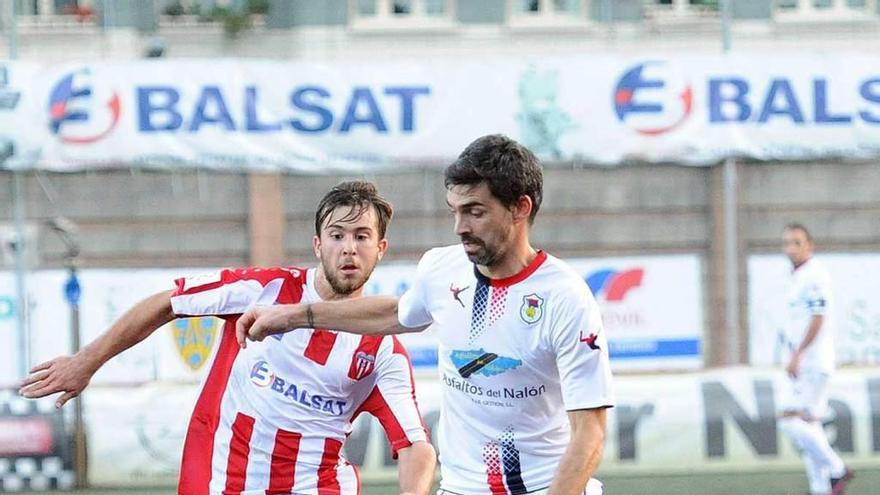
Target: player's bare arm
{"x": 793, "y": 368}
{"x": 71, "y": 374}
{"x": 415, "y": 467}
{"x": 374, "y": 315}
{"x": 583, "y": 454}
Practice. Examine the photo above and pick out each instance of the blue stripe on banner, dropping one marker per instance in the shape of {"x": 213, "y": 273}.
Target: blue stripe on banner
{"x": 632, "y": 349}
{"x": 422, "y": 357}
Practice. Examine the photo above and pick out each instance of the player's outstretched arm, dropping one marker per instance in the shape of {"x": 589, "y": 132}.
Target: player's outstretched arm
{"x": 416, "y": 465}
{"x": 373, "y": 315}
{"x": 71, "y": 374}
{"x": 583, "y": 454}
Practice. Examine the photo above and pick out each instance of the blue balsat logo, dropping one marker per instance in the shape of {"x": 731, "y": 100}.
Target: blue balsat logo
{"x": 262, "y": 376}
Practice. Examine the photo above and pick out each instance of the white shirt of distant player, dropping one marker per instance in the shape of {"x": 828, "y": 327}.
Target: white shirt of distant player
{"x": 809, "y": 294}
{"x": 514, "y": 356}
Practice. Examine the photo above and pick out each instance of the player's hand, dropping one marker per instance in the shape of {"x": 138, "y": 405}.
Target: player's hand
{"x": 794, "y": 365}
{"x": 67, "y": 374}
{"x": 259, "y": 322}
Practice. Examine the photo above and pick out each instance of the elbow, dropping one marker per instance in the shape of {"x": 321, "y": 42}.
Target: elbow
{"x": 425, "y": 453}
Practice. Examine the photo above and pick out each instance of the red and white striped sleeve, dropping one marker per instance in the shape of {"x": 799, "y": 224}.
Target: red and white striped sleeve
{"x": 233, "y": 291}
{"x": 393, "y": 398}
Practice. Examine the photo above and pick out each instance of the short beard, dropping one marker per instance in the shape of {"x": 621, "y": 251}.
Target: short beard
{"x": 484, "y": 256}
{"x": 343, "y": 287}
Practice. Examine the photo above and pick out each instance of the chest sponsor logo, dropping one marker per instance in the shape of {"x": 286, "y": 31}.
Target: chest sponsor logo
{"x": 532, "y": 308}
{"x": 480, "y": 362}
{"x": 262, "y": 376}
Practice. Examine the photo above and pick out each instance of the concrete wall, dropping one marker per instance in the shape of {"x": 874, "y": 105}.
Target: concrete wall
{"x": 159, "y": 219}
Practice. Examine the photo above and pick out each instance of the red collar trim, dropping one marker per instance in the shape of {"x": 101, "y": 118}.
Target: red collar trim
{"x": 522, "y": 275}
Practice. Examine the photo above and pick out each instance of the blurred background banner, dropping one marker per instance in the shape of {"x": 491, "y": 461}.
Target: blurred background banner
{"x": 313, "y": 117}
{"x": 856, "y": 311}
{"x": 35, "y": 447}
{"x": 649, "y": 326}
{"x": 711, "y": 421}
{"x": 145, "y": 141}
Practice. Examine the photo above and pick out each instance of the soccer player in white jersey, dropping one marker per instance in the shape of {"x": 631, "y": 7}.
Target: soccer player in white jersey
{"x": 272, "y": 418}
{"x": 810, "y": 339}
{"x": 523, "y": 359}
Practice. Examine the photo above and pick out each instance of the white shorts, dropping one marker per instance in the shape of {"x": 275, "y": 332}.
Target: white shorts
{"x": 808, "y": 393}
{"x": 594, "y": 487}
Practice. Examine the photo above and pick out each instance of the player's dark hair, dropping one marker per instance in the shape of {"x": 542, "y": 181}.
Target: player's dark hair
{"x": 508, "y": 168}
{"x": 801, "y": 227}
{"x": 358, "y": 195}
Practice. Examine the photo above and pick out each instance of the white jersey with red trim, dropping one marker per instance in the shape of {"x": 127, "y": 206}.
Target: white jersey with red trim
{"x": 272, "y": 418}
{"x": 809, "y": 295}
{"x": 514, "y": 355}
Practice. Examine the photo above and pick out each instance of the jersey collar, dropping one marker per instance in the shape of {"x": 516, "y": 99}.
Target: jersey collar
{"x": 310, "y": 285}
{"x": 516, "y": 278}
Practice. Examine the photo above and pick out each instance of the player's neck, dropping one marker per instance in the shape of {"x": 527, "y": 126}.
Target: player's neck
{"x": 803, "y": 262}
{"x": 514, "y": 261}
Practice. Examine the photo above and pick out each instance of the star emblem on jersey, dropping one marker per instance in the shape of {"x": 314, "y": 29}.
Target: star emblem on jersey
{"x": 455, "y": 293}
{"x": 532, "y": 308}
{"x": 590, "y": 340}
{"x": 480, "y": 362}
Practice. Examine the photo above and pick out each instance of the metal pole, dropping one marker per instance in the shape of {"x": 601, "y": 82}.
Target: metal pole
{"x": 726, "y": 14}
{"x": 731, "y": 261}
{"x": 80, "y": 454}
{"x": 18, "y": 218}
{"x": 731, "y": 231}
{"x": 24, "y": 352}
{"x": 72, "y": 291}
{"x": 12, "y": 31}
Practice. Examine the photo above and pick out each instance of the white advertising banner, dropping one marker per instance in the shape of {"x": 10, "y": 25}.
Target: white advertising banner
{"x": 855, "y": 280}
{"x": 177, "y": 352}
{"x": 313, "y": 117}
{"x": 649, "y": 326}
{"x": 652, "y": 308}
{"x": 722, "y": 420}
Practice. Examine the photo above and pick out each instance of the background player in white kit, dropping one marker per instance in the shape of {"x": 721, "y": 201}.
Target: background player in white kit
{"x": 522, "y": 355}
{"x": 272, "y": 419}
{"x": 810, "y": 336}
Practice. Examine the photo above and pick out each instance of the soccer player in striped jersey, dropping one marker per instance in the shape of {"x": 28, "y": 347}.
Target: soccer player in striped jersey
{"x": 523, "y": 359}
{"x": 272, "y": 418}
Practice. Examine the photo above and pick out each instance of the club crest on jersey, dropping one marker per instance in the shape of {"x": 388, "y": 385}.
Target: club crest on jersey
{"x": 532, "y": 308}
{"x": 362, "y": 366}
{"x": 195, "y": 338}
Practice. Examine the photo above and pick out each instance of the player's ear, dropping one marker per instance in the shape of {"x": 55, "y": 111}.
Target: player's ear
{"x": 522, "y": 208}
{"x": 383, "y": 246}
{"x": 316, "y": 245}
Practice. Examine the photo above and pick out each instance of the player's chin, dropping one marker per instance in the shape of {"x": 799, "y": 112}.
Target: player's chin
{"x": 352, "y": 282}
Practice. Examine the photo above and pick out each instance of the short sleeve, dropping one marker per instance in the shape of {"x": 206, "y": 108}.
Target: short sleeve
{"x": 579, "y": 342}
{"x": 412, "y": 309}
{"x": 229, "y": 291}
{"x": 817, "y": 293}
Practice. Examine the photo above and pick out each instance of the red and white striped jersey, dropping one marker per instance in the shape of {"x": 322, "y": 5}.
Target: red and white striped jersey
{"x": 272, "y": 418}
